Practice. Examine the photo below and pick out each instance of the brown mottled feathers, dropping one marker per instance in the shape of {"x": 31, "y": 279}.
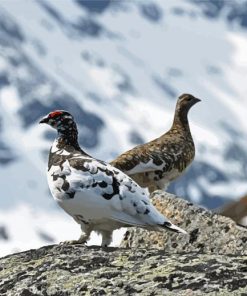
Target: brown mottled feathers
{"x": 236, "y": 210}
{"x": 160, "y": 161}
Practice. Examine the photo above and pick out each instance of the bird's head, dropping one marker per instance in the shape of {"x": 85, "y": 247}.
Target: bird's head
{"x": 185, "y": 102}
{"x": 60, "y": 120}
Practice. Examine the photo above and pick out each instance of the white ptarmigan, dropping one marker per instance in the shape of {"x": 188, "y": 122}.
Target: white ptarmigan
{"x": 155, "y": 164}
{"x": 98, "y": 196}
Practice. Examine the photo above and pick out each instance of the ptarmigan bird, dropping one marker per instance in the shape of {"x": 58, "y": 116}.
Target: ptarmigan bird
{"x": 98, "y": 196}
{"x": 236, "y": 210}
{"x": 155, "y": 164}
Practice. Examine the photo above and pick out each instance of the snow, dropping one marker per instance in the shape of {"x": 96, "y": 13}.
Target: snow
{"x": 25, "y": 227}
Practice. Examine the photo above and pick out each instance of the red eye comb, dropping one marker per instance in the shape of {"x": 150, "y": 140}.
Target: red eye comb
{"x": 55, "y": 113}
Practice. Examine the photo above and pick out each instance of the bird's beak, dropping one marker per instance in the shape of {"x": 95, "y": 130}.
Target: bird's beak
{"x": 44, "y": 120}
{"x": 197, "y": 100}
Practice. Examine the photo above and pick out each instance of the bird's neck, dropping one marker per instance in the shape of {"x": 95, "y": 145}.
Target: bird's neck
{"x": 180, "y": 120}
{"x": 63, "y": 141}
{"x": 65, "y": 146}
{"x": 67, "y": 138}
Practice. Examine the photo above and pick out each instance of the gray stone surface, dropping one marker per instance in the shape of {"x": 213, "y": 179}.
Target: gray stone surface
{"x": 78, "y": 270}
{"x": 208, "y": 232}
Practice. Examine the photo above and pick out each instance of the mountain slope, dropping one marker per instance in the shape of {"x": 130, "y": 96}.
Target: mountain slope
{"x": 118, "y": 66}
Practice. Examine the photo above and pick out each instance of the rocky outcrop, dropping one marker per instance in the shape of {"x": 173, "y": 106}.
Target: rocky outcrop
{"x": 207, "y": 232}
{"x": 78, "y": 270}
{"x": 211, "y": 259}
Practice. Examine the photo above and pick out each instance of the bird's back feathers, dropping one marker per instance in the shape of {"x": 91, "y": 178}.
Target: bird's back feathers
{"x": 164, "y": 158}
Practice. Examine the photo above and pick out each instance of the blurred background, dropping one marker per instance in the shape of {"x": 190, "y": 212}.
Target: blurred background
{"x": 118, "y": 66}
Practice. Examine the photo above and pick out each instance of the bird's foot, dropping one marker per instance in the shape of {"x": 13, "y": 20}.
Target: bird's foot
{"x": 106, "y": 238}
{"x": 72, "y": 242}
{"x": 81, "y": 241}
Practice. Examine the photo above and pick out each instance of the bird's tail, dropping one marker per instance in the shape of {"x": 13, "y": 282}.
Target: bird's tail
{"x": 168, "y": 225}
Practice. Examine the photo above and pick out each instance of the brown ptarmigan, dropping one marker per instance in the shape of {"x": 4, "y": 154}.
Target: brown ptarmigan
{"x": 236, "y": 210}
{"x": 98, "y": 196}
{"x": 155, "y": 164}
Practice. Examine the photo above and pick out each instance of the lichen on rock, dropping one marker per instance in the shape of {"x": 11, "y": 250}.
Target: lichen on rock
{"x": 65, "y": 270}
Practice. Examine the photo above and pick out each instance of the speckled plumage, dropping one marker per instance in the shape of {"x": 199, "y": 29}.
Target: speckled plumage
{"x": 98, "y": 196}
{"x": 156, "y": 163}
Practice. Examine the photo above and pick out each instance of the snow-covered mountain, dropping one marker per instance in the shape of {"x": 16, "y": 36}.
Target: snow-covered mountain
{"x": 118, "y": 67}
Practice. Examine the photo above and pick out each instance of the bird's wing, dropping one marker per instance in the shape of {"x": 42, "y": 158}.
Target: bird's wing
{"x": 104, "y": 191}
{"x": 143, "y": 158}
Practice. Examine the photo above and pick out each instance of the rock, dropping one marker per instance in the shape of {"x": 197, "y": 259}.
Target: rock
{"x": 63, "y": 270}
{"x": 211, "y": 259}
{"x": 208, "y": 232}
